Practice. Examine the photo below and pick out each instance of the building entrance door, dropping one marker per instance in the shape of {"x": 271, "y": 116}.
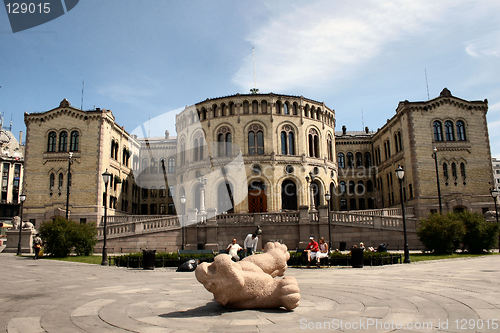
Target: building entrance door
{"x": 257, "y": 198}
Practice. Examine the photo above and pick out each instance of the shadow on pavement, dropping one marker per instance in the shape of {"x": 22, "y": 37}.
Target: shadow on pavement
{"x": 212, "y": 309}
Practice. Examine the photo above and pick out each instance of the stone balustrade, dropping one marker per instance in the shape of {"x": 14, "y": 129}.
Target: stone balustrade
{"x": 141, "y": 225}
{"x": 121, "y": 226}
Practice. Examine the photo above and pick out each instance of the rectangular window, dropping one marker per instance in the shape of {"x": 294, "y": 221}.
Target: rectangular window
{"x": 83, "y": 220}
{"x": 15, "y": 183}
{"x": 498, "y": 172}
{"x": 5, "y": 180}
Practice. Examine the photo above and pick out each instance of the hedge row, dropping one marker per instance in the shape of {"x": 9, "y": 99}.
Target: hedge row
{"x": 173, "y": 259}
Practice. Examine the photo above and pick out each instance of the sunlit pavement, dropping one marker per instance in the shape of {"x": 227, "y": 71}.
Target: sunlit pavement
{"x": 461, "y": 295}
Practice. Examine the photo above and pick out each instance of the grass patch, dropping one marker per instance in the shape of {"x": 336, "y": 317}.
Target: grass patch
{"x": 429, "y": 256}
{"x": 84, "y": 259}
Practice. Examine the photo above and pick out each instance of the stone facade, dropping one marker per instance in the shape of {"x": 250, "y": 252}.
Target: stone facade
{"x": 255, "y": 152}
{"x": 11, "y": 163}
{"x": 97, "y": 144}
{"x": 455, "y": 127}
{"x": 495, "y": 163}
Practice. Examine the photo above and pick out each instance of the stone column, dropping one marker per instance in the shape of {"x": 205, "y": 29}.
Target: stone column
{"x": 304, "y": 230}
{"x": 203, "y": 182}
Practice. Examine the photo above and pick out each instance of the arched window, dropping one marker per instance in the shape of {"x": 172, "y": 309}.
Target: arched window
{"x": 214, "y": 110}
{"x": 350, "y": 160}
{"x": 278, "y": 107}
{"x": 74, "y": 141}
{"x": 182, "y": 153}
{"x": 359, "y": 160}
{"x": 255, "y": 107}
{"x": 445, "y": 171}
{"x": 342, "y": 187}
{"x": 462, "y": 171}
{"x": 63, "y": 141}
{"x": 153, "y": 166}
{"x": 396, "y": 142}
{"x": 285, "y": 108}
{"x": 454, "y": 171}
{"x": 341, "y": 160}
{"x": 450, "y": 133}
{"x": 231, "y": 108}
{"x": 461, "y": 131}
{"x": 224, "y": 141}
{"x": 360, "y": 189}
{"x": 369, "y": 186}
{"x": 329, "y": 146}
{"x": 287, "y": 140}
{"x": 51, "y": 142}
{"x": 295, "y": 108}
{"x": 195, "y": 149}
{"x": 112, "y": 148}
{"x": 246, "y": 107}
{"x": 400, "y": 141}
{"x": 223, "y": 110}
{"x": 284, "y": 149}
{"x": 352, "y": 187}
{"x": 52, "y": 179}
{"x": 438, "y": 131}
{"x": 171, "y": 165}
{"x": 306, "y": 110}
{"x": 61, "y": 179}
{"x": 313, "y": 143}
{"x": 256, "y": 140}
{"x": 203, "y": 113}
{"x": 368, "y": 160}
{"x": 263, "y": 107}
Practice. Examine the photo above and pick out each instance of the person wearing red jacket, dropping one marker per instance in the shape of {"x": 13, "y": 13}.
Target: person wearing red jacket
{"x": 311, "y": 249}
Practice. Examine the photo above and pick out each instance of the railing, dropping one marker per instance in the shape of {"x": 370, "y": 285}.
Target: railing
{"x": 384, "y": 211}
{"x": 140, "y": 226}
{"x": 256, "y": 218}
{"x": 113, "y": 219}
{"x": 373, "y": 221}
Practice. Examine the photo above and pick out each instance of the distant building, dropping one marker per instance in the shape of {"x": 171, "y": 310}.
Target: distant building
{"x": 11, "y": 162}
{"x": 455, "y": 127}
{"x": 97, "y": 144}
{"x": 495, "y": 163}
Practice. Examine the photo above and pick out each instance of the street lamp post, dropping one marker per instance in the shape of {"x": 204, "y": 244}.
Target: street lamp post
{"x": 68, "y": 184}
{"x": 22, "y": 197}
{"x": 494, "y": 195}
{"x": 401, "y": 173}
{"x": 328, "y": 198}
{"x": 434, "y": 155}
{"x": 106, "y": 176}
{"x": 183, "y": 203}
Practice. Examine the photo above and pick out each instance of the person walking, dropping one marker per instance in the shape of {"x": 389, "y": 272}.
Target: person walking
{"x": 250, "y": 244}
{"x": 37, "y": 246}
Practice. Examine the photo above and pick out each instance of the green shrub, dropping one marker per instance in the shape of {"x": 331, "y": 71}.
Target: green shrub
{"x": 60, "y": 237}
{"x": 441, "y": 233}
{"x": 83, "y": 237}
{"x": 55, "y": 237}
{"x": 479, "y": 235}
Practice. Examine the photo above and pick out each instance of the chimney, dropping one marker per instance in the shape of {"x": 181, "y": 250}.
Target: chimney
{"x": 20, "y": 138}
{"x": 366, "y": 130}
{"x": 344, "y": 130}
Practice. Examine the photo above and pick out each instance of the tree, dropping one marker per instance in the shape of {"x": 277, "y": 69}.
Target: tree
{"x": 60, "y": 237}
{"x": 480, "y": 235}
{"x": 441, "y": 233}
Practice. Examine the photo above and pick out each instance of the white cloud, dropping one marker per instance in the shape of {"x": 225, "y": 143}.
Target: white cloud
{"x": 486, "y": 46}
{"x": 494, "y": 108}
{"x": 322, "y": 41}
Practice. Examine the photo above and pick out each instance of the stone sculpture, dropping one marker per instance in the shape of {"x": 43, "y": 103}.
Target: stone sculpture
{"x": 252, "y": 282}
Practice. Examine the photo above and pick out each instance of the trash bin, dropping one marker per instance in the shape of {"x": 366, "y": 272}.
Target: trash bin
{"x": 342, "y": 246}
{"x": 357, "y": 257}
{"x": 148, "y": 259}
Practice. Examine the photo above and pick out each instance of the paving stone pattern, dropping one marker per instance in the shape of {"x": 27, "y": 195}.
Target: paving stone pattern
{"x": 54, "y": 296}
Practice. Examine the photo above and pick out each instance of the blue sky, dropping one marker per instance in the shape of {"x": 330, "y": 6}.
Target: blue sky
{"x": 142, "y": 59}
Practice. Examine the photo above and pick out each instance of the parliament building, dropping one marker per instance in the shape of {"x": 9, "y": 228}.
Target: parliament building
{"x": 257, "y": 153}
